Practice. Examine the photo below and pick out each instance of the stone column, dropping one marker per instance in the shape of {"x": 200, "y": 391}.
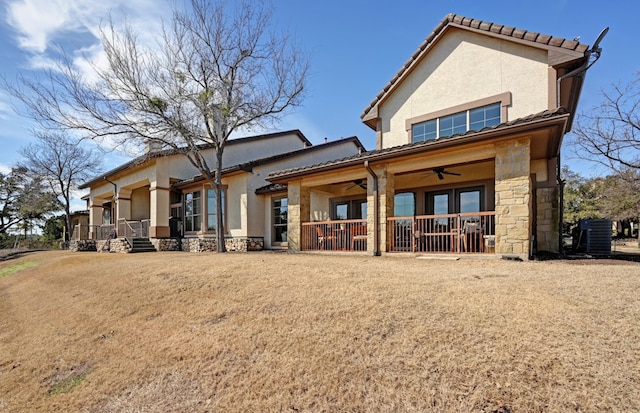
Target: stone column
{"x": 299, "y": 211}
{"x": 386, "y": 194}
{"x": 159, "y": 213}
{"x": 547, "y": 230}
{"x": 513, "y": 197}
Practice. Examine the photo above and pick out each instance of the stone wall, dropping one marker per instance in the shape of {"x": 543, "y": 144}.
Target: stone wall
{"x": 299, "y": 210}
{"x": 166, "y": 244}
{"x": 199, "y": 245}
{"x": 119, "y": 245}
{"x": 547, "y": 230}
{"x": 82, "y": 245}
{"x": 232, "y": 244}
{"x": 245, "y": 244}
{"x": 513, "y": 198}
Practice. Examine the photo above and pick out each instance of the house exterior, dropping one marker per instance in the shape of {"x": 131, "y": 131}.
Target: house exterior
{"x": 160, "y": 199}
{"x": 468, "y": 151}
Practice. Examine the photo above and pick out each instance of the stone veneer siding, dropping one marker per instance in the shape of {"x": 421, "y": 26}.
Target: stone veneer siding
{"x": 166, "y": 244}
{"x": 386, "y": 195}
{"x": 299, "y": 211}
{"x": 82, "y": 245}
{"x": 239, "y": 244}
{"x": 119, "y": 245}
{"x": 513, "y": 198}
{"x": 547, "y": 231}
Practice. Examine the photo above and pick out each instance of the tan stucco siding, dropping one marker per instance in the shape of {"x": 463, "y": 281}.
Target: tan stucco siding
{"x": 465, "y": 67}
{"x": 235, "y": 154}
{"x": 236, "y": 204}
{"x": 140, "y": 204}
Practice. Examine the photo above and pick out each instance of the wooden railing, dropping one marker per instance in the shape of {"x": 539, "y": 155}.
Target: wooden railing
{"x": 97, "y": 232}
{"x": 133, "y": 229}
{"x": 465, "y": 233}
{"x": 339, "y": 235}
{"x": 127, "y": 229}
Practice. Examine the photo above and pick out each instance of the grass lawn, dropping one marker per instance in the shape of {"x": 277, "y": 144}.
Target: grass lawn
{"x": 185, "y": 332}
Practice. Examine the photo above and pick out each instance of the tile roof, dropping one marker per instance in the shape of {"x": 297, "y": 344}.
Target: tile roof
{"x": 168, "y": 152}
{"x": 417, "y": 146}
{"x": 475, "y": 24}
{"x": 248, "y": 166}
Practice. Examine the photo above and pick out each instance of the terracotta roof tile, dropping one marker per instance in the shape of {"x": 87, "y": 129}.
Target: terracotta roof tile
{"x": 496, "y": 28}
{"x": 531, "y": 36}
{"x": 475, "y": 24}
{"x": 556, "y": 41}
{"x": 486, "y": 26}
{"x": 543, "y": 38}
{"x": 507, "y": 30}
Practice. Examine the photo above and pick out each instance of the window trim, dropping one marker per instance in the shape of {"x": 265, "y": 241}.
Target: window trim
{"x": 273, "y": 224}
{"x": 504, "y": 99}
{"x": 204, "y": 209}
{"x": 339, "y": 200}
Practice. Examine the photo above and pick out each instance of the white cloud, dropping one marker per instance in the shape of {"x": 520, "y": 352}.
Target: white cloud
{"x": 4, "y": 168}
{"x": 40, "y": 23}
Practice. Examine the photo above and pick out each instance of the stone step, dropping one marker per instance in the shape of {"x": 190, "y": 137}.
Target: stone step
{"x": 142, "y": 245}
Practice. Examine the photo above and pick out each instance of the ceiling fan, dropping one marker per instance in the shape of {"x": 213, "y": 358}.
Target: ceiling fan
{"x": 441, "y": 172}
{"x": 358, "y": 182}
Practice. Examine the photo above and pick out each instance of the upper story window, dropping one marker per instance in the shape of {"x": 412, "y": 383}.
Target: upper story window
{"x": 460, "y": 122}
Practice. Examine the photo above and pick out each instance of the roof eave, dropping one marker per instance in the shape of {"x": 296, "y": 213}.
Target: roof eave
{"x": 559, "y": 120}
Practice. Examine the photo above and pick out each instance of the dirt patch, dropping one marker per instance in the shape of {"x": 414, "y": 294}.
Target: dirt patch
{"x": 279, "y": 332}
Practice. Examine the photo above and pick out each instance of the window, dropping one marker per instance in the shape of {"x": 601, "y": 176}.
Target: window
{"x": 349, "y": 209}
{"x": 279, "y": 217}
{"x": 404, "y": 205}
{"x": 212, "y": 210}
{"x": 455, "y": 201}
{"x": 193, "y": 211}
{"x": 461, "y": 122}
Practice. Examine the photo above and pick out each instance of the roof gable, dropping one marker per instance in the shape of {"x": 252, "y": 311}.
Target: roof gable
{"x": 560, "y": 51}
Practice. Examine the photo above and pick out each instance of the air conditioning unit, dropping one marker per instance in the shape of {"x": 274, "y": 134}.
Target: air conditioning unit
{"x": 594, "y": 236}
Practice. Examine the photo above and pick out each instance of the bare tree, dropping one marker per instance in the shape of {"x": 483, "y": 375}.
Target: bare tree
{"x": 214, "y": 71}
{"x": 62, "y": 164}
{"x": 610, "y": 133}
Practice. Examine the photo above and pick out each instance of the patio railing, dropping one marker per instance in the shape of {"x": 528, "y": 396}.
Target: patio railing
{"x": 472, "y": 232}
{"x": 133, "y": 229}
{"x": 339, "y": 235}
{"x": 97, "y": 232}
{"x": 127, "y": 229}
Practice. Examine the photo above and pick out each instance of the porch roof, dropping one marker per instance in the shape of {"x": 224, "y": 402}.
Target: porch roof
{"x": 563, "y": 50}
{"x": 549, "y": 119}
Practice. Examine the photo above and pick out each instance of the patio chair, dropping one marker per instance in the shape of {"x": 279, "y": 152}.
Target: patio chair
{"x": 358, "y": 234}
{"x": 472, "y": 236}
{"x": 323, "y": 238}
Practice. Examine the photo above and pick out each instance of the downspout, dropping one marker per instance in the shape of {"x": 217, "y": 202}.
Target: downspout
{"x": 596, "y": 50}
{"x": 115, "y": 197}
{"x": 376, "y": 208}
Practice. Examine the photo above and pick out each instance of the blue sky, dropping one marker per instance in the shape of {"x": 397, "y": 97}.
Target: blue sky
{"x": 356, "y": 46}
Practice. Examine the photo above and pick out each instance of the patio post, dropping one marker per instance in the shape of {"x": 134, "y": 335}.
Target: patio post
{"x": 513, "y": 198}
{"x": 299, "y": 211}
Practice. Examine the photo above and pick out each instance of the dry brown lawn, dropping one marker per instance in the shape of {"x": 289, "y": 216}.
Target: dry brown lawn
{"x": 263, "y": 332}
